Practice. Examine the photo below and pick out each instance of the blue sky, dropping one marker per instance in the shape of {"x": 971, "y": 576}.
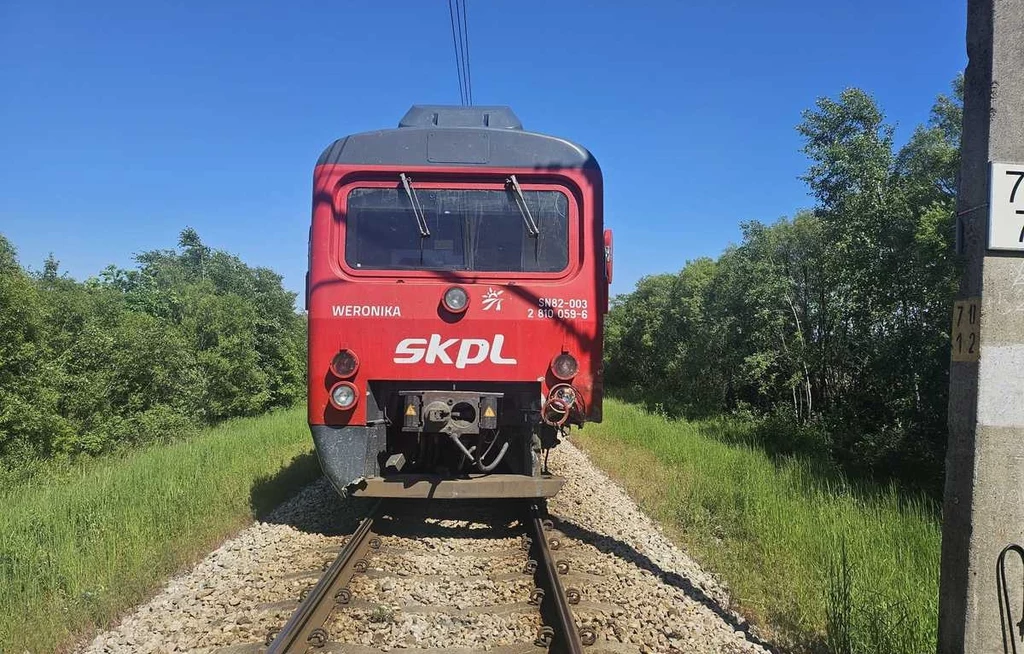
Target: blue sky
{"x": 123, "y": 122}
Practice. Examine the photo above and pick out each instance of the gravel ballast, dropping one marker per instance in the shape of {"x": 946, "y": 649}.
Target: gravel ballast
{"x": 639, "y": 592}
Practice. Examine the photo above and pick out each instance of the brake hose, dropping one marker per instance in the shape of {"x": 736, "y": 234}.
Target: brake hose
{"x": 560, "y": 408}
{"x": 490, "y": 447}
{"x": 497, "y": 459}
{"x": 479, "y": 462}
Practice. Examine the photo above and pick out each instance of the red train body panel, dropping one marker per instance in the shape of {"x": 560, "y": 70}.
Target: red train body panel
{"x": 439, "y": 383}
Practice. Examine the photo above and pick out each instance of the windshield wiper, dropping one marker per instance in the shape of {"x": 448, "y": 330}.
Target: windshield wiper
{"x": 421, "y": 219}
{"x": 531, "y": 224}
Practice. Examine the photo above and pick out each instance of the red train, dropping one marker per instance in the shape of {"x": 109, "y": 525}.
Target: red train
{"x": 457, "y": 286}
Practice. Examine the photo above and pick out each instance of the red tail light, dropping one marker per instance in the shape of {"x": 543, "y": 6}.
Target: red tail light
{"x": 344, "y": 364}
{"x": 564, "y": 366}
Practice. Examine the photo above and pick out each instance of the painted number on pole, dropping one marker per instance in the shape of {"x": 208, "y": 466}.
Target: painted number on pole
{"x": 966, "y": 335}
{"x": 1006, "y": 207}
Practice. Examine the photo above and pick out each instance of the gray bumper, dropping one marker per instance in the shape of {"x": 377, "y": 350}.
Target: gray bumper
{"x": 348, "y": 454}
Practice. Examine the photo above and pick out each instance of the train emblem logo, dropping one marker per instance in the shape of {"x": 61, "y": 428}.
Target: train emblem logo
{"x": 492, "y": 299}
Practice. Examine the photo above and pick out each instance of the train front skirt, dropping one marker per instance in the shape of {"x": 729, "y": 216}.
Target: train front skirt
{"x": 350, "y": 457}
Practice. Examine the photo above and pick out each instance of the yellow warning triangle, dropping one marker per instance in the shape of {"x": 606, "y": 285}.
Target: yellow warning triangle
{"x": 410, "y": 410}
{"x": 488, "y": 412}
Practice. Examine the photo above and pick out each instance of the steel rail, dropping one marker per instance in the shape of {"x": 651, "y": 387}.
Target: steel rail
{"x": 306, "y": 626}
{"x": 566, "y": 637}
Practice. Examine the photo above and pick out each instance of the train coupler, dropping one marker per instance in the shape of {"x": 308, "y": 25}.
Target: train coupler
{"x": 449, "y": 412}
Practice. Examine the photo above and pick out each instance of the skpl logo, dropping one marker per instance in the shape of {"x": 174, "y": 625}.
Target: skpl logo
{"x": 469, "y": 351}
{"x": 492, "y": 300}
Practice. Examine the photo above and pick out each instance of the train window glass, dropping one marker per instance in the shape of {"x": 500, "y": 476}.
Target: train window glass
{"x": 502, "y": 242}
{"x": 383, "y": 234}
{"x": 469, "y": 230}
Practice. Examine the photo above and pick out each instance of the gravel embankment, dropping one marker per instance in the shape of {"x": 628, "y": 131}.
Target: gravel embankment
{"x": 666, "y": 602}
{"x": 639, "y": 592}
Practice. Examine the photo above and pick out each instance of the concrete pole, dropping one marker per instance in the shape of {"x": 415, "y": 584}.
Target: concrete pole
{"x": 984, "y": 494}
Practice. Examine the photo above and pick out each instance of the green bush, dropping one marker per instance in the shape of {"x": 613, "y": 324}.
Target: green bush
{"x": 28, "y": 400}
{"x": 187, "y": 338}
{"x": 831, "y": 326}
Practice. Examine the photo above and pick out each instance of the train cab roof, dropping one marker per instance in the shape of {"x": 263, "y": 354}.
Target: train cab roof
{"x": 442, "y": 135}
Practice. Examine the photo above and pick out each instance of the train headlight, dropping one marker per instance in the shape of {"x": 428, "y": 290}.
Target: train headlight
{"x": 344, "y": 364}
{"x": 343, "y": 396}
{"x": 456, "y": 299}
{"x": 564, "y": 366}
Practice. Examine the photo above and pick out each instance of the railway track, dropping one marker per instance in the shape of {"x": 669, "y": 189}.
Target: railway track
{"x": 449, "y": 576}
{"x": 537, "y": 555}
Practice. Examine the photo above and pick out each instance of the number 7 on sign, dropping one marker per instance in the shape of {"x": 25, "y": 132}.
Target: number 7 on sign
{"x": 1013, "y": 196}
{"x": 1005, "y": 214}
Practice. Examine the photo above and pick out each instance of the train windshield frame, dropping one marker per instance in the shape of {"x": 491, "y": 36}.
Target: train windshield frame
{"x": 470, "y": 230}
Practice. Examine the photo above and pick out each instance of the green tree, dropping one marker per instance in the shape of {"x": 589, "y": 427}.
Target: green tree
{"x": 186, "y": 337}
{"x": 28, "y": 402}
{"x": 834, "y": 321}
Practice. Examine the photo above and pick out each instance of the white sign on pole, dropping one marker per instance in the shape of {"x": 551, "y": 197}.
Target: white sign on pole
{"x": 1006, "y": 207}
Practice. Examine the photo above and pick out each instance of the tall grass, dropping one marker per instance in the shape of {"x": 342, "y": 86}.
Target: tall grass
{"x": 80, "y": 545}
{"x": 821, "y": 562}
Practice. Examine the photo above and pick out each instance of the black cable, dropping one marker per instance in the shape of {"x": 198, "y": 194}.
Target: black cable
{"x": 458, "y": 58}
{"x": 460, "y": 20}
{"x": 465, "y": 54}
{"x": 460, "y": 61}
{"x": 1006, "y": 622}
{"x": 497, "y": 433}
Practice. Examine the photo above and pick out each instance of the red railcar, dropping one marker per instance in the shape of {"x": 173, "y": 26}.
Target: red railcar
{"x": 458, "y": 281}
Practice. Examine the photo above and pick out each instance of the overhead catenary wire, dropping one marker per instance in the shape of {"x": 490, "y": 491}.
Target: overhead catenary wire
{"x": 460, "y": 44}
{"x": 465, "y": 54}
{"x": 462, "y": 53}
{"x": 458, "y": 58}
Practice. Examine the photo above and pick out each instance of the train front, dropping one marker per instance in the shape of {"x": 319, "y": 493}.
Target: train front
{"x": 458, "y": 280}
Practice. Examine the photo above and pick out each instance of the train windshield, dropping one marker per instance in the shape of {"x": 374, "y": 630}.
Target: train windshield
{"x": 468, "y": 230}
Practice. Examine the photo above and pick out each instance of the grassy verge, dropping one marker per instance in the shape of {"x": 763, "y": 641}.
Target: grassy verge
{"x": 822, "y": 563}
{"x": 80, "y": 545}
